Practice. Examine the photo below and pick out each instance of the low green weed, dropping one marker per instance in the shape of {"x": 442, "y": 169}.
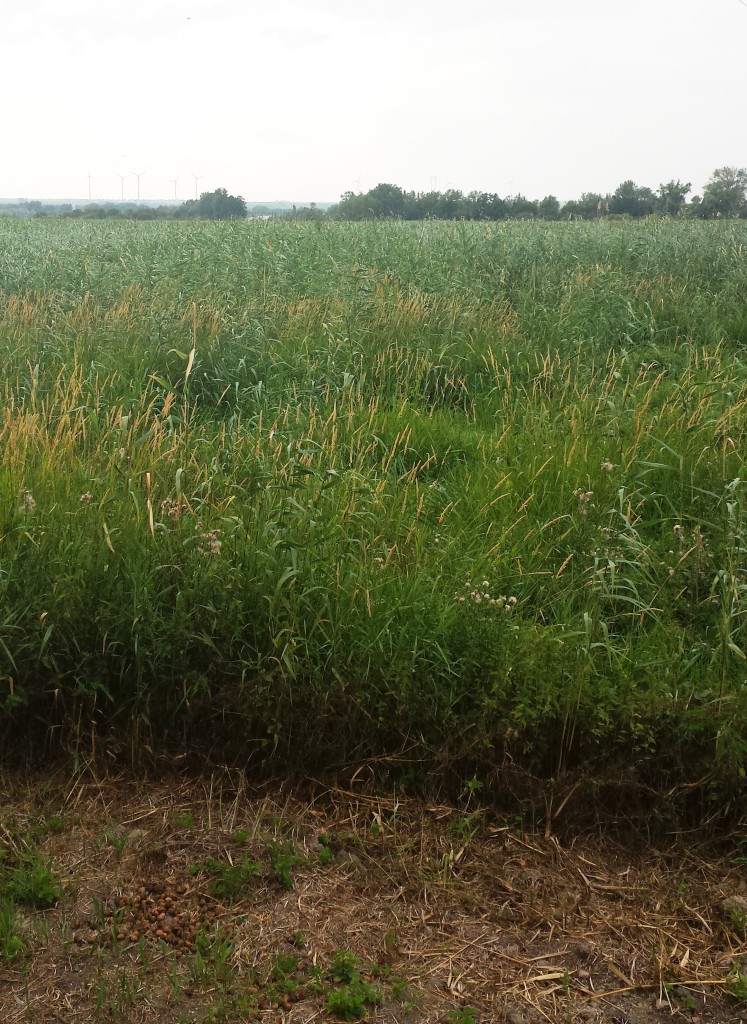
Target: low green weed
{"x": 466, "y": 1015}
{"x": 230, "y": 882}
{"x": 354, "y": 995}
{"x": 116, "y": 838}
{"x": 11, "y": 943}
{"x": 212, "y": 959}
{"x": 352, "y": 1001}
{"x": 738, "y": 923}
{"x": 737, "y": 987}
{"x": 183, "y": 821}
{"x": 30, "y": 882}
{"x": 284, "y": 857}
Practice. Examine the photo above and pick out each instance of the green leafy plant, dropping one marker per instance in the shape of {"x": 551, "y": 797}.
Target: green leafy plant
{"x": 116, "y": 838}
{"x": 11, "y": 943}
{"x": 737, "y": 987}
{"x": 283, "y": 966}
{"x": 351, "y": 1001}
{"x": 466, "y": 1015}
{"x": 229, "y": 882}
{"x": 183, "y": 821}
{"x": 31, "y": 882}
{"x": 211, "y": 962}
{"x": 344, "y": 966}
{"x": 325, "y": 853}
{"x": 354, "y": 994}
{"x": 284, "y": 857}
{"x": 738, "y": 922}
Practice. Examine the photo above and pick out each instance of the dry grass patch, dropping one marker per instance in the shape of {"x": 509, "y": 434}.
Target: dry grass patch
{"x": 208, "y": 900}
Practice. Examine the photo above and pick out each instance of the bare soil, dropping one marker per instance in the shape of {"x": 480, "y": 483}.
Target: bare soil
{"x": 452, "y": 914}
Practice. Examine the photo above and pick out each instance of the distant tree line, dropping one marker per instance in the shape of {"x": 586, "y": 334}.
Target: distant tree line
{"x": 217, "y": 205}
{"x": 33, "y": 208}
{"x": 725, "y": 195}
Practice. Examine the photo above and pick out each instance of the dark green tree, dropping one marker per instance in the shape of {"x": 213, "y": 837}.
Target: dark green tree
{"x": 549, "y": 208}
{"x": 632, "y": 200}
{"x": 386, "y": 201}
{"x": 382, "y": 201}
{"x": 725, "y": 194}
{"x": 521, "y": 208}
{"x": 672, "y": 198}
{"x": 588, "y": 207}
{"x": 217, "y": 205}
{"x": 486, "y": 206}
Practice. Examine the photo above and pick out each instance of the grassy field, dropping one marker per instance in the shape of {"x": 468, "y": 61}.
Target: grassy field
{"x": 450, "y": 498}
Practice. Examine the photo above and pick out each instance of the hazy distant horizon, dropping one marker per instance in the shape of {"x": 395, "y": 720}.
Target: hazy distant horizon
{"x": 85, "y": 201}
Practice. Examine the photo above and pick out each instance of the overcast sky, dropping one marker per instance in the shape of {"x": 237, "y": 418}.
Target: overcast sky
{"x": 305, "y": 100}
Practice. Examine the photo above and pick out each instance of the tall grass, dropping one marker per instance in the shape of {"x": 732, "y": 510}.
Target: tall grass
{"x": 325, "y": 492}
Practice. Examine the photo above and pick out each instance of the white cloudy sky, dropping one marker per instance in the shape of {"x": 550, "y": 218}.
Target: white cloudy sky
{"x": 304, "y": 99}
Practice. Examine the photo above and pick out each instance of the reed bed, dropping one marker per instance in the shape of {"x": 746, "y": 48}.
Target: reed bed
{"x": 455, "y": 496}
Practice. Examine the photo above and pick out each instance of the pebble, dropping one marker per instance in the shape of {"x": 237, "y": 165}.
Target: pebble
{"x": 582, "y": 950}
{"x": 734, "y": 904}
{"x": 587, "y": 1013}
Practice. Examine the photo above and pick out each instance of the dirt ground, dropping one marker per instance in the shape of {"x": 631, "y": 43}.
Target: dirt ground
{"x": 186, "y": 900}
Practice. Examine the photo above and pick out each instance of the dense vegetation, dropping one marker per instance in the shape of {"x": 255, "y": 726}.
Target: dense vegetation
{"x": 312, "y": 493}
{"x": 725, "y": 195}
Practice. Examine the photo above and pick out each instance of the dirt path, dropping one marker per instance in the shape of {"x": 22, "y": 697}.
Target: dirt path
{"x": 207, "y": 900}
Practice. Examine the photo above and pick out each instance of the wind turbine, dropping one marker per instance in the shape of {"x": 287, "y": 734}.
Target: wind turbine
{"x": 174, "y": 182}
{"x": 138, "y": 176}
{"x": 122, "y": 180}
{"x": 90, "y": 179}
{"x": 197, "y": 178}
{"x": 357, "y": 181}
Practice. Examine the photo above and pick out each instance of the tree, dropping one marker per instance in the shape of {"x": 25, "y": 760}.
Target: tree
{"x": 486, "y": 206}
{"x": 632, "y": 200}
{"x": 521, "y": 208}
{"x": 589, "y": 206}
{"x": 671, "y": 198}
{"x": 549, "y": 208}
{"x": 725, "y": 194}
{"x": 383, "y": 201}
{"x": 218, "y": 205}
{"x": 386, "y": 201}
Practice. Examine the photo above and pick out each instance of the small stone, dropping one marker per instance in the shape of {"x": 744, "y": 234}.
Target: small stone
{"x": 582, "y": 950}
{"x": 734, "y": 904}
{"x": 587, "y": 1013}
{"x": 662, "y": 1004}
